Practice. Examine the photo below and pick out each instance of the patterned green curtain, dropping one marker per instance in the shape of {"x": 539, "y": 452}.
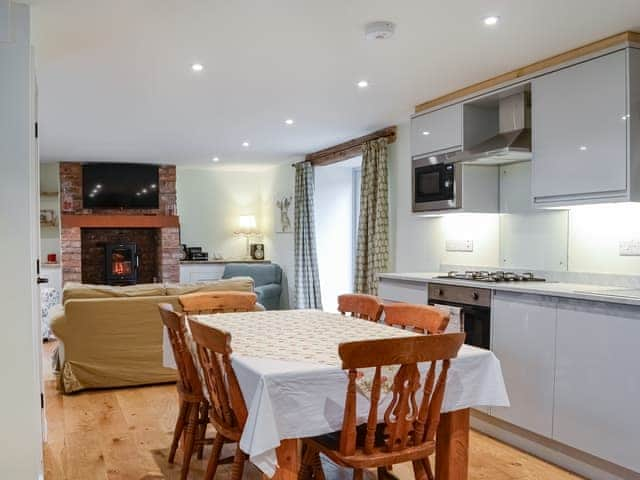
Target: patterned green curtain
{"x": 372, "y": 253}
{"x": 307, "y": 279}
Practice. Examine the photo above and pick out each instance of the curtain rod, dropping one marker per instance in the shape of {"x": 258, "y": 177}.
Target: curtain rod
{"x": 342, "y": 151}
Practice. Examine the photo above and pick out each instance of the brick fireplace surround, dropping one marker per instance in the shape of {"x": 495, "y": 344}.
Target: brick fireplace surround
{"x": 84, "y": 231}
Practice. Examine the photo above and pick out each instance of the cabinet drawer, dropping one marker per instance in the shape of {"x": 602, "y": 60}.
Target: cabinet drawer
{"x": 403, "y": 291}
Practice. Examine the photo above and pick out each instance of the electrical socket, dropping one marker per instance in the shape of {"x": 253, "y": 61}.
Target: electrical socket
{"x": 629, "y": 248}
{"x": 458, "y": 245}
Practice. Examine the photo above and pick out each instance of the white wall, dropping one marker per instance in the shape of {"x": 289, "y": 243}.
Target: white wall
{"x": 211, "y": 199}
{"x": 334, "y": 214}
{"x": 594, "y": 236}
{"x": 20, "y": 435}
{"x": 417, "y": 241}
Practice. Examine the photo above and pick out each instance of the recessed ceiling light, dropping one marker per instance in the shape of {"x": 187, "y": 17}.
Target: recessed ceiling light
{"x": 289, "y": 121}
{"x": 583, "y": 148}
{"x": 215, "y": 159}
{"x": 245, "y": 144}
{"x": 491, "y": 20}
{"x": 426, "y": 132}
{"x": 197, "y": 67}
{"x": 363, "y": 84}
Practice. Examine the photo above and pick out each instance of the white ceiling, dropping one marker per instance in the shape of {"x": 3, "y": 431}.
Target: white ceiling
{"x": 115, "y": 81}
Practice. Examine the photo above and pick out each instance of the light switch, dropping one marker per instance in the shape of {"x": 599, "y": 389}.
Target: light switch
{"x": 629, "y": 248}
{"x": 458, "y": 245}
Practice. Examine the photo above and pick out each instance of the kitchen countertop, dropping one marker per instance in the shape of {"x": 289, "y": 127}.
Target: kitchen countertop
{"x": 577, "y": 291}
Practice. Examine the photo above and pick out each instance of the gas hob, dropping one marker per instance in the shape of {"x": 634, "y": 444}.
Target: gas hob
{"x": 492, "y": 277}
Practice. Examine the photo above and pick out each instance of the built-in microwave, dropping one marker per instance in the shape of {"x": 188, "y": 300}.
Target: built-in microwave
{"x": 436, "y": 183}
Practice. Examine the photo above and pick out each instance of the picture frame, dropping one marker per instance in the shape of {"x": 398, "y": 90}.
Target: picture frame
{"x": 48, "y": 218}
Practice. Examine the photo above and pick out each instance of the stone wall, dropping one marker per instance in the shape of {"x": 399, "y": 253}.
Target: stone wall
{"x": 74, "y": 255}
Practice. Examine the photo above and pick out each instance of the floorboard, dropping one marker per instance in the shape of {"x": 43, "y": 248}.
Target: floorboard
{"x": 124, "y": 434}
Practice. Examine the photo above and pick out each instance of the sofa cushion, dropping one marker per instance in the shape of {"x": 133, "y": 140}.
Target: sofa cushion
{"x": 77, "y": 291}
{"x": 262, "y": 273}
{"x": 269, "y": 296}
{"x": 238, "y": 284}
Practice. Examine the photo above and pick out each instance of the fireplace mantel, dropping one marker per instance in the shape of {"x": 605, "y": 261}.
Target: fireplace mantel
{"x": 120, "y": 221}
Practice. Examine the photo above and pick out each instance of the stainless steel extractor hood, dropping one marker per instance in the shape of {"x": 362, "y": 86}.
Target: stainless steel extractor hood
{"x": 512, "y": 143}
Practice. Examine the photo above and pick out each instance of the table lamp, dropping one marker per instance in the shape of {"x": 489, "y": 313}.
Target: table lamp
{"x": 248, "y": 229}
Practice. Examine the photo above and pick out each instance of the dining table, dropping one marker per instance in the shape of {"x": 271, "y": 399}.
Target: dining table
{"x": 290, "y": 375}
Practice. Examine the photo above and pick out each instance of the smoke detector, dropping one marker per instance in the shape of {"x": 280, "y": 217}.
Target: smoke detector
{"x": 379, "y": 30}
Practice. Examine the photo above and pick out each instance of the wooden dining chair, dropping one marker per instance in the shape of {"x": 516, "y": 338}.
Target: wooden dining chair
{"x": 367, "y": 307}
{"x": 218, "y": 302}
{"x": 228, "y": 411}
{"x": 408, "y": 428}
{"x": 422, "y": 318}
{"x": 193, "y": 413}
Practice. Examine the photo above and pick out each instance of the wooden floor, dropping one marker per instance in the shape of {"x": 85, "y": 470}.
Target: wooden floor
{"x": 125, "y": 433}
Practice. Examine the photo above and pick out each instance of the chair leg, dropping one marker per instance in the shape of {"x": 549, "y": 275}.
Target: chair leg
{"x": 177, "y": 432}
{"x": 307, "y": 463}
{"x": 357, "y": 474}
{"x": 189, "y": 439}
{"x": 419, "y": 471}
{"x": 202, "y": 428}
{"x": 238, "y": 464}
{"x": 427, "y": 466}
{"x": 214, "y": 459}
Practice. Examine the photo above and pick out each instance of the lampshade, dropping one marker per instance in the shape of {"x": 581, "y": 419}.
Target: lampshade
{"x": 247, "y": 224}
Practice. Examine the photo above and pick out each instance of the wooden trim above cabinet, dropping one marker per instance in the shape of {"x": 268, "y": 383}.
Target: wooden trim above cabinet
{"x": 120, "y": 221}
{"x": 550, "y": 62}
{"x": 349, "y": 149}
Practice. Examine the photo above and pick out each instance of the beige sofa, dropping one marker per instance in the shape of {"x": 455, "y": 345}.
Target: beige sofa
{"x": 112, "y": 336}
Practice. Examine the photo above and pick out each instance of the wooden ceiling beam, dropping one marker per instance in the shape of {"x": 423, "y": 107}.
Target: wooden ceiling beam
{"x": 349, "y": 149}
{"x": 550, "y": 62}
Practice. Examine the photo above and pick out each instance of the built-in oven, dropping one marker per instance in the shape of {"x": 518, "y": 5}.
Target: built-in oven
{"x": 471, "y": 305}
{"x": 436, "y": 183}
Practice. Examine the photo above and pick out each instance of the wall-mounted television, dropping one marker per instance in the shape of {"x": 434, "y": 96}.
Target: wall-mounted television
{"x": 119, "y": 185}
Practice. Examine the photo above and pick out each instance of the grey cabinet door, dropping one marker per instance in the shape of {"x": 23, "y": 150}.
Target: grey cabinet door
{"x": 597, "y": 381}
{"x": 524, "y": 342}
{"x": 437, "y": 131}
{"x": 579, "y": 130}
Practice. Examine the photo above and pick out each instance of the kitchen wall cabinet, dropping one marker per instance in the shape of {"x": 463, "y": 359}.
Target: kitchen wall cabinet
{"x": 436, "y": 131}
{"x": 597, "y": 389}
{"x": 524, "y": 342}
{"x": 579, "y": 126}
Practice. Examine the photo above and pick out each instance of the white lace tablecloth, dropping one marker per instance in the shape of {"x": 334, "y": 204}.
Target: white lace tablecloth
{"x": 289, "y": 371}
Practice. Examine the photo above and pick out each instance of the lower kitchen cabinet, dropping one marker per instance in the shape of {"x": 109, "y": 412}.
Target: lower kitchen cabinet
{"x": 597, "y": 392}
{"x": 524, "y": 342}
{"x": 402, "y": 291}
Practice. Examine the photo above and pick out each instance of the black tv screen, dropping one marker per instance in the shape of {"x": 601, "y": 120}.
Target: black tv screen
{"x": 119, "y": 185}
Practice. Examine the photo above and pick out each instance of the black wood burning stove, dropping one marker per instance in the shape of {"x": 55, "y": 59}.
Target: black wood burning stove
{"x": 121, "y": 264}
